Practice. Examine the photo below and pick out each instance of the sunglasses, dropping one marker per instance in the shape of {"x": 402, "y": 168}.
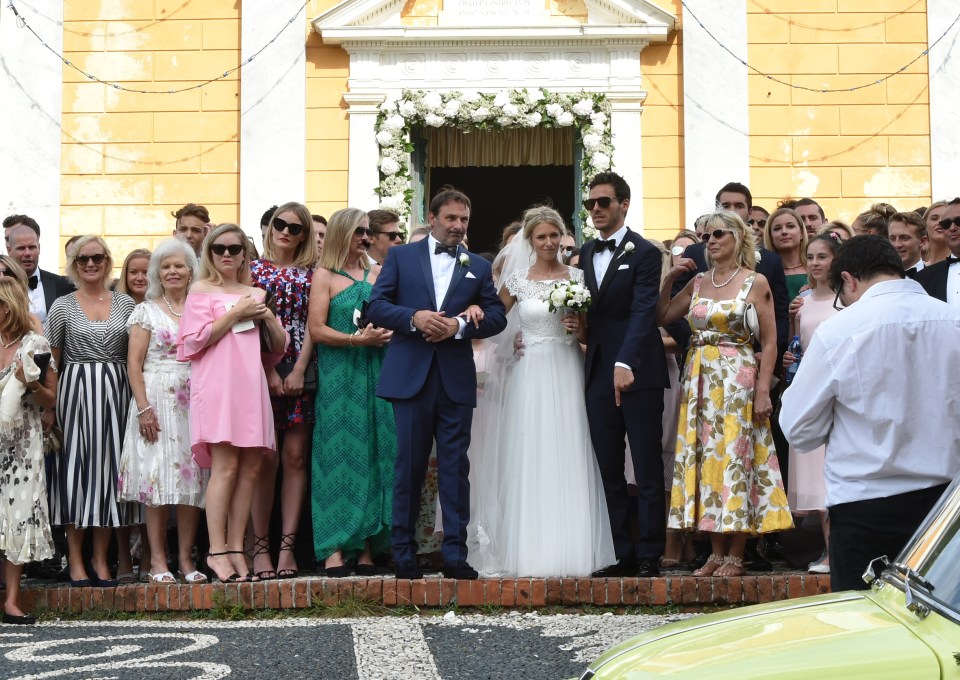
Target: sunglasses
{"x": 716, "y": 233}
{"x": 392, "y": 235}
{"x": 82, "y": 260}
{"x": 362, "y": 231}
{"x": 947, "y": 223}
{"x": 761, "y": 223}
{"x": 603, "y": 202}
{"x": 221, "y": 248}
{"x": 6, "y": 272}
{"x": 292, "y": 228}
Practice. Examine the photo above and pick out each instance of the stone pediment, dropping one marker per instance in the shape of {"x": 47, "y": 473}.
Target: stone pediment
{"x": 353, "y": 21}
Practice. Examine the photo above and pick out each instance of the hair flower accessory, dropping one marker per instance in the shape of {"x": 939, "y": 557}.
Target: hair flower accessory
{"x": 464, "y": 260}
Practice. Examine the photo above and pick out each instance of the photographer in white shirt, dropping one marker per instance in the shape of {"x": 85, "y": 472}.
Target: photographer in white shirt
{"x": 892, "y": 435}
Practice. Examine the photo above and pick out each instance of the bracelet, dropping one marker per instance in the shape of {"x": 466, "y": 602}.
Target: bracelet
{"x": 351, "y": 341}
{"x": 144, "y": 410}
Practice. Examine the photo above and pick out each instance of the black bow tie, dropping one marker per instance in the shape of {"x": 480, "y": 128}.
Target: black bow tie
{"x": 608, "y": 244}
{"x": 952, "y": 260}
{"x": 449, "y": 250}
{"x": 33, "y": 282}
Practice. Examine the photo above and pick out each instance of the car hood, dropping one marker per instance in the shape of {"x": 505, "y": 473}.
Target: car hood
{"x": 839, "y": 635}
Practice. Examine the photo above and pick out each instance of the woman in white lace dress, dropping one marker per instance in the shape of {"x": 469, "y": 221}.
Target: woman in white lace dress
{"x": 539, "y": 508}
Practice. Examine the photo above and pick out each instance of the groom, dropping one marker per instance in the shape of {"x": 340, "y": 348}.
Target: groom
{"x": 429, "y": 373}
{"x": 626, "y": 373}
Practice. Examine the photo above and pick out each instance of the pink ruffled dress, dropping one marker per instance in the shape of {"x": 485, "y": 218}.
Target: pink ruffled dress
{"x": 229, "y": 398}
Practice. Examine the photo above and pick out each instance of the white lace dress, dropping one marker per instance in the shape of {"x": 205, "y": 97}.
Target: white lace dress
{"x": 544, "y": 514}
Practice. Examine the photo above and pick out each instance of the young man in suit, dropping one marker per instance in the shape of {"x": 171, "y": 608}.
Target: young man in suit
{"x": 429, "y": 374}
{"x": 45, "y": 287}
{"x": 626, "y": 373}
{"x": 942, "y": 280}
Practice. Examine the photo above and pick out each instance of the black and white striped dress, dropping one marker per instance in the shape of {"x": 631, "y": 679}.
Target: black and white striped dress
{"x": 92, "y": 400}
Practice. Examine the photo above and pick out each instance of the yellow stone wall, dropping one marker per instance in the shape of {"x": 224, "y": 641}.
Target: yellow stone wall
{"x": 129, "y": 159}
{"x": 847, "y": 150}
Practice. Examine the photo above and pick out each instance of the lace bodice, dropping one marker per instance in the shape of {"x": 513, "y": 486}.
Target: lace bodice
{"x": 537, "y": 322}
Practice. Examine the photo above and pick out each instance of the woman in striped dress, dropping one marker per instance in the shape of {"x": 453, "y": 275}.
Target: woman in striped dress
{"x": 88, "y": 335}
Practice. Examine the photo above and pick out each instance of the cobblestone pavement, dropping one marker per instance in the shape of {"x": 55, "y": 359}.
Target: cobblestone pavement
{"x": 466, "y": 647}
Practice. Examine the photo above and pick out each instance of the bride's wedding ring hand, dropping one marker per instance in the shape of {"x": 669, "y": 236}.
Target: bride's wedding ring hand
{"x": 571, "y": 322}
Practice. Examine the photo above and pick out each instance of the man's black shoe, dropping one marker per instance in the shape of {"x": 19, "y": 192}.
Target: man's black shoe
{"x": 618, "y": 570}
{"x": 408, "y": 570}
{"x": 459, "y": 570}
{"x": 647, "y": 569}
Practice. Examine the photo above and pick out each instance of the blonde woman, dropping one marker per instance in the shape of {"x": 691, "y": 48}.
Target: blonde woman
{"x": 88, "y": 336}
{"x": 133, "y": 275}
{"x": 937, "y": 249}
{"x": 231, "y": 422}
{"x": 726, "y": 477}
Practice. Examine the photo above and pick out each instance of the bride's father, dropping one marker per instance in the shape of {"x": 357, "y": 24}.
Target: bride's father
{"x": 429, "y": 374}
{"x": 626, "y": 373}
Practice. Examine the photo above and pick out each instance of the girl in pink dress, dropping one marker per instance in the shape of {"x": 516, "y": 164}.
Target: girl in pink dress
{"x": 231, "y": 420}
{"x": 807, "y": 490}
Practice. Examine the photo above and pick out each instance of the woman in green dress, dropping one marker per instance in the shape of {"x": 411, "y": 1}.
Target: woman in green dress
{"x": 354, "y": 439}
{"x": 786, "y": 235}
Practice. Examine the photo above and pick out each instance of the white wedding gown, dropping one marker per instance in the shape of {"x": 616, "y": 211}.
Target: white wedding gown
{"x": 538, "y": 503}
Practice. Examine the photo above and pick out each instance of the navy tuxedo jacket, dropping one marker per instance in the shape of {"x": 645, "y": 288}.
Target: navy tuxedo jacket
{"x": 622, "y": 318}
{"x": 404, "y": 286}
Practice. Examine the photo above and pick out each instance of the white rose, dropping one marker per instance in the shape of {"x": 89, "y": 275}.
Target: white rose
{"x": 432, "y": 101}
{"x": 407, "y": 108}
{"x": 565, "y": 119}
{"x": 558, "y": 298}
{"x": 584, "y": 107}
{"x": 533, "y": 120}
{"x": 629, "y": 247}
{"x": 501, "y": 99}
{"x": 471, "y": 97}
{"x": 591, "y": 142}
{"x": 393, "y": 203}
{"x": 384, "y": 138}
{"x": 554, "y": 110}
{"x": 510, "y": 110}
{"x": 600, "y": 161}
{"x": 433, "y": 120}
{"x": 451, "y": 108}
{"x": 576, "y": 288}
{"x": 480, "y": 114}
{"x": 535, "y": 95}
{"x": 394, "y": 123}
{"x": 598, "y": 118}
{"x": 590, "y": 233}
{"x": 504, "y": 121}
{"x": 389, "y": 106}
{"x": 389, "y": 166}
{"x": 577, "y": 300}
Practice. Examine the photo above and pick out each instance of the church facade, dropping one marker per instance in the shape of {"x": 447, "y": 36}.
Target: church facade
{"x": 119, "y": 111}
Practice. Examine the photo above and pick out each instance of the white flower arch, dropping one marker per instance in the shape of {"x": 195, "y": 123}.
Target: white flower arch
{"x": 588, "y": 112}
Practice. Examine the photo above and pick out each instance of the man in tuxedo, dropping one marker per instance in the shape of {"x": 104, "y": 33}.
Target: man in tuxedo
{"x": 942, "y": 280}
{"x": 429, "y": 373}
{"x": 625, "y": 374}
{"x": 45, "y": 287}
{"x": 908, "y": 234}
{"x": 385, "y": 234}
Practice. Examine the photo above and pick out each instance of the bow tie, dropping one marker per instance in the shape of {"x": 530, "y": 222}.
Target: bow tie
{"x": 952, "y": 260}
{"x": 608, "y": 244}
{"x": 449, "y": 250}
{"x": 33, "y": 282}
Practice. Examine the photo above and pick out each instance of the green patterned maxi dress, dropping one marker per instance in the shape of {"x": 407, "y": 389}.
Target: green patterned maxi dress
{"x": 354, "y": 440}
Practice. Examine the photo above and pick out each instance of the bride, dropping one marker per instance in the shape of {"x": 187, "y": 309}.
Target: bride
{"x": 538, "y": 503}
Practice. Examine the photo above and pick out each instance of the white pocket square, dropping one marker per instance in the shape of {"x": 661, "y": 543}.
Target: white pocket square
{"x": 623, "y": 266}
{"x": 470, "y": 276}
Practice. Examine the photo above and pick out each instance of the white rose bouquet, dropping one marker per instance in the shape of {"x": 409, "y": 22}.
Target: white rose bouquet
{"x": 569, "y": 297}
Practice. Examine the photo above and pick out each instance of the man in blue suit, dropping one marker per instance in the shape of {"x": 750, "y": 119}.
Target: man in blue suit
{"x": 429, "y": 375}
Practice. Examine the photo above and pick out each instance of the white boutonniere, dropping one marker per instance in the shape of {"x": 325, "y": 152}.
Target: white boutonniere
{"x": 758, "y": 255}
{"x": 464, "y": 260}
{"x": 627, "y": 249}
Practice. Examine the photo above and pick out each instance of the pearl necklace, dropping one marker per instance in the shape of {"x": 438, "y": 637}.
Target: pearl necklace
{"x": 8, "y": 345}
{"x": 170, "y": 307}
{"x": 713, "y": 279}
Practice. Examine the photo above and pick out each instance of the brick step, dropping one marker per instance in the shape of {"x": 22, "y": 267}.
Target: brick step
{"x": 431, "y": 592}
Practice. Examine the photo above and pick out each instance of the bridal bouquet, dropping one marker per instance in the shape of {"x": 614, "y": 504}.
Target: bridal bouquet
{"x": 569, "y": 296}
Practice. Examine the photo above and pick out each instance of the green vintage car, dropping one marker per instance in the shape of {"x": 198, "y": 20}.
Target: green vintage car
{"x": 907, "y": 626}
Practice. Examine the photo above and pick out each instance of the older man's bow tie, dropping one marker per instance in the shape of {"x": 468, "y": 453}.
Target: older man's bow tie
{"x": 608, "y": 244}
{"x": 449, "y": 250}
{"x": 33, "y": 282}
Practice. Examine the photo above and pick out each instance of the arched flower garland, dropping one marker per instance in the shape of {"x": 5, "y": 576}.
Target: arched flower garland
{"x": 587, "y": 111}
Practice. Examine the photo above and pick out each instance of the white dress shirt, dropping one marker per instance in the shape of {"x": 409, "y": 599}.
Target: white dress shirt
{"x": 603, "y": 258}
{"x": 38, "y": 304}
{"x": 917, "y": 266}
{"x": 888, "y": 427}
{"x": 953, "y": 284}
{"x": 442, "y": 267}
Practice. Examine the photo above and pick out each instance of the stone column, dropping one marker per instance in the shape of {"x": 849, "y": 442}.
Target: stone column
{"x": 364, "y": 153}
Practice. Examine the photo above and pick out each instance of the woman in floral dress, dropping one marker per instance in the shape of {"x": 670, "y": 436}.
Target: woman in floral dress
{"x": 157, "y": 467}
{"x": 285, "y": 272}
{"x": 726, "y": 476}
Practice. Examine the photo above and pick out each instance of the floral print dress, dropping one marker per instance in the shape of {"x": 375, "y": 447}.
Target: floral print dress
{"x": 164, "y": 472}
{"x": 726, "y": 475}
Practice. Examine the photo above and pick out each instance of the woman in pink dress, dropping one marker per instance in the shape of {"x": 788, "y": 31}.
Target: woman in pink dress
{"x": 807, "y": 489}
{"x": 231, "y": 420}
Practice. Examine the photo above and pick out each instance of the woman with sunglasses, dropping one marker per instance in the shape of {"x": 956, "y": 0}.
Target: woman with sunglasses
{"x": 787, "y": 237}
{"x": 285, "y": 271}
{"x": 726, "y": 476}
{"x": 133, "y": 275}
{"x": 231, "y": 419}
{"x": 354, "y": 440}
{"x": 807, "y": 488}
{"x": 88, "y": 334}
